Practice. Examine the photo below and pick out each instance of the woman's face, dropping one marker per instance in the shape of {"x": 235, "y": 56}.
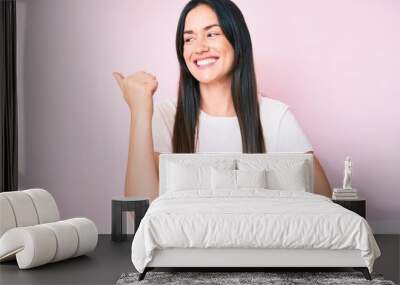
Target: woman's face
{"x": 208, "y": 54}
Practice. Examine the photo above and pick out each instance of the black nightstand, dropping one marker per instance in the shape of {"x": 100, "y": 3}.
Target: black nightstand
{"x": 358, "y": 206}
{"x": 123, "y": 204}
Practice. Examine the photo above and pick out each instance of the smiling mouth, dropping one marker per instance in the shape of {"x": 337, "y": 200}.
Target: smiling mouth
{"x": 205, "y": 63}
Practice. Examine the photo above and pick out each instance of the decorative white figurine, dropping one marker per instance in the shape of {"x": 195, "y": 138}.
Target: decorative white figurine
{"x": 347, "y": 174}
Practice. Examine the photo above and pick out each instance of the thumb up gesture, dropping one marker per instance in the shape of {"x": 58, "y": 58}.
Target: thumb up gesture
{"x": 138, "y": 90}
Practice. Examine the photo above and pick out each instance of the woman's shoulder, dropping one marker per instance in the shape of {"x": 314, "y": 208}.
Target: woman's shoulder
{"x": 271, "y": 106}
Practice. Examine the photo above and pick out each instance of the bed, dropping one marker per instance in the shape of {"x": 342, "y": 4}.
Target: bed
{"x": 247, "y": 210}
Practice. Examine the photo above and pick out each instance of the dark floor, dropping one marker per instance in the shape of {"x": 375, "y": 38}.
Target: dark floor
{"x": 111, "y": 259}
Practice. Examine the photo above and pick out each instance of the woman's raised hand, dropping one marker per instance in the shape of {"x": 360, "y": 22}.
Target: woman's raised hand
{"x": 138, "y": 90}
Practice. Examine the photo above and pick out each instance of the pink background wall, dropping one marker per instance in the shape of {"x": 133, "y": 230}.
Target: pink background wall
{"x": 336, "y": 63}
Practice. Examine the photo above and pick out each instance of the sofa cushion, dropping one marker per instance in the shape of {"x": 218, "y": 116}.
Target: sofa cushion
{"x": 23, "y": 208}
{"x": 7, "y": 215}
{"x": 40, "y": 244}
{"x": 45, "y": 205}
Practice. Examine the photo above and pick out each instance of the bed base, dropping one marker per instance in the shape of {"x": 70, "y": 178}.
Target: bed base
{"x": 364, "y": 270}
{"x": 244, "y": 259}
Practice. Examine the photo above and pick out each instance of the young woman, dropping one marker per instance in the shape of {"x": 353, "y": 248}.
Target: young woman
{"x": 218, "y": 108}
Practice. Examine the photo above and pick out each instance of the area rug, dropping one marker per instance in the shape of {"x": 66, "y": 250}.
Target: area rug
{"x": 269, "y": 278}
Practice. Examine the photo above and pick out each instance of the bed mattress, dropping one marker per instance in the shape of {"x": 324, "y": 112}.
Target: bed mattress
{"x": 250, "y": 219}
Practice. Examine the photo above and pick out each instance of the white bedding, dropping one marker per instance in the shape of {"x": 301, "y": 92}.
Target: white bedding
{"x": 250, "y": 218}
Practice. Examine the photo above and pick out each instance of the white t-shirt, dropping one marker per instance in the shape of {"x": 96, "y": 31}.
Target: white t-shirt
{"x": 282, "y": 132}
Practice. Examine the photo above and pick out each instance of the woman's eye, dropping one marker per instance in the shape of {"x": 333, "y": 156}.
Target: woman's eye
{"x": 187, "y": 40}
{"x": 213, "y": 34}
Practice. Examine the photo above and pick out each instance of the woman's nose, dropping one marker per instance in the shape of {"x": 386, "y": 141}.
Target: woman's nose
{"x": 201, "y": 45}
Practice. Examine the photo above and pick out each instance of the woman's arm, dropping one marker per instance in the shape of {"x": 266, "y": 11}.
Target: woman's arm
{"x": 141, "y": 178}
{"x": 141, "y": 173}
{"x": 321, "y": 183}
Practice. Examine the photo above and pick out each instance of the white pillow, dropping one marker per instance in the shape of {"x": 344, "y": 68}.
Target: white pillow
{"x": 187, "y": 177}
{"x": 288, "y": 178}
{"x": 237, "y": 179}
{"x": 251, "y": 178}
{"x": 223, "y": 179}
{"x": 281, "y": 174}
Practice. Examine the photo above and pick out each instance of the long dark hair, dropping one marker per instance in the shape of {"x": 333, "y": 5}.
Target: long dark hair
{"x": 244, "y": 85}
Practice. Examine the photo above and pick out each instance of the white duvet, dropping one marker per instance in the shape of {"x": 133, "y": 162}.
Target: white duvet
{"x": 251, "y": 218}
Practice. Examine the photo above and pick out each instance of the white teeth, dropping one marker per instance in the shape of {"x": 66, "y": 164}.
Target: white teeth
{"x": 206, "y": 61}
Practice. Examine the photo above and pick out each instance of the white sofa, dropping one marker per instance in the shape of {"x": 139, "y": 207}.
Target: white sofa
{"x": 32, "y": 233}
